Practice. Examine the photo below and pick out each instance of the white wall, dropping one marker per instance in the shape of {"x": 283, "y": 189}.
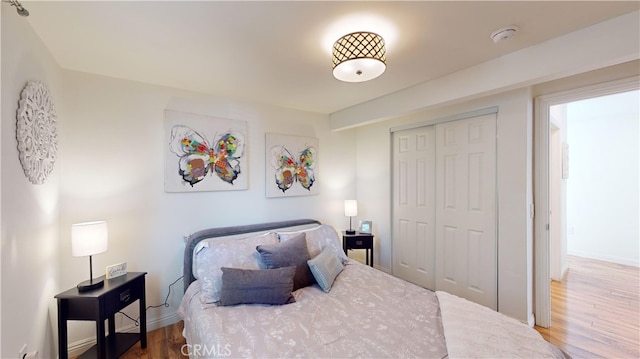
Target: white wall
{"x": 1, "y": 242}
{"x": 29, "y": 222}
{"x": 603, "y": 209}
{"x": 557, "y": 193}
{"x": 373, "y": 157}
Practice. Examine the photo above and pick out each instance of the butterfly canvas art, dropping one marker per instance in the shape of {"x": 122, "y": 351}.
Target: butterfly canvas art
{"x": 204, "y": 153}
{"x": 292, "y": 165}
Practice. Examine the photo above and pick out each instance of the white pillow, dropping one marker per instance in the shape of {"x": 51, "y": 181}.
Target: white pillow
{"x": 240, "y": 253}
{"x": 318, "y": 238}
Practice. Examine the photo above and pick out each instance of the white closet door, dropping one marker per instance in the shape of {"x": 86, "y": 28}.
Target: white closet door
{"x": 466, "y": 242}
{"x": 413, "y": 205}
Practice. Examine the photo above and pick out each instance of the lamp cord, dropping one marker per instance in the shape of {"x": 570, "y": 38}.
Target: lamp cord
{"x": 165, "y": 304}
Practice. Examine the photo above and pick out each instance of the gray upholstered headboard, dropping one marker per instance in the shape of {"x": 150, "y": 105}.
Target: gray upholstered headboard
{"x": 196, "y": 237}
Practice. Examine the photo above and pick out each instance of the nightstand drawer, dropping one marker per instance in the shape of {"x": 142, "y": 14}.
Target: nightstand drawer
{"x": 123, "y": 296}
{"x": 360, "y": 242}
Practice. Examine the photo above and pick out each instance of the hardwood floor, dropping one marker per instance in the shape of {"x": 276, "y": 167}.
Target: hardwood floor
{"x": 165, "y": 342}
{"x": 595, "y": 310}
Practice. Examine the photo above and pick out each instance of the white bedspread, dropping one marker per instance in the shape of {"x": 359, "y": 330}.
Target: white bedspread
{"x": 475, "y": 331}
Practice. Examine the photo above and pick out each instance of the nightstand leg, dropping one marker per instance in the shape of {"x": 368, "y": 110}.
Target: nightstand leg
{"x": 62, "y": 331}
{"x": 100, "y": 338}
{"x": 143, "y": 317}
{"x": 112, "y": 327}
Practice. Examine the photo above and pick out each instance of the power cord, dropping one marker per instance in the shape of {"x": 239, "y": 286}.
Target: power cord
{"x": 165, "y": 304}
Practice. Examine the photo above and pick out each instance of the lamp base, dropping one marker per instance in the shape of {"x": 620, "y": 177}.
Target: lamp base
{"x": 90, "y": 284}
{"x": 350, "y": 231}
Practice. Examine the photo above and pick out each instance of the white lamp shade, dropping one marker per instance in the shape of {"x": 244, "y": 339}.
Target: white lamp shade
{"x": 88, "y": 238}
{"x": 350, "y": 208}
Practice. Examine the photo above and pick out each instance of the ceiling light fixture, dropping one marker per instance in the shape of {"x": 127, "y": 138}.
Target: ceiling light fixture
{"x": 359, "y": 56}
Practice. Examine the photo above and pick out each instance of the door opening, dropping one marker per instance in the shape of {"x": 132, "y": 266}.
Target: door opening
{"x": 550, "y": 176}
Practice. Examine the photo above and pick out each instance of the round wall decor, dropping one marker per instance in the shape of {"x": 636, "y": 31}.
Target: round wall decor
{"x": 36, "y": 132}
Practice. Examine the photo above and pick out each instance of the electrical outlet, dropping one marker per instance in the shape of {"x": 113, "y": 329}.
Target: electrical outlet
{"x": 23, "y": 352}
{"x": 31, "y": 355}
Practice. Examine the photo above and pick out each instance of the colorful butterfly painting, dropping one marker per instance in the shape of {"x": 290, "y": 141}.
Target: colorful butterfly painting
{"x": 197, "y": 157}
{"x": 290, "y": 168}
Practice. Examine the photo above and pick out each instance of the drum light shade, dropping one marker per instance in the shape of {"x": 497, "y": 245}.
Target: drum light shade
{"x": 350, "y": 210}
{"x": 87, "y": 239}
{"x": 359, "y": 56}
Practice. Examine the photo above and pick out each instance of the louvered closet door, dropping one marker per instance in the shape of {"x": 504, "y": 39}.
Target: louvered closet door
{"x": 466, "y": 241}
{"x": 413, "y": 205}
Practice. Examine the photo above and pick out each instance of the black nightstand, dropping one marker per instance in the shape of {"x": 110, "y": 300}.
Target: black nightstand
{"x": 98, "y": 305}
{"x": 359, "y": 241}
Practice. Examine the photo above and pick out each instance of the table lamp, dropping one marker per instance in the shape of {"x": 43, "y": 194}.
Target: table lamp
{"x": 87, "y": 239}
{"x": 350, "y": 210}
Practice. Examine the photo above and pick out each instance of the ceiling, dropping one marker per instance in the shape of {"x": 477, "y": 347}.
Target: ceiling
{"x": 280, "y": 52}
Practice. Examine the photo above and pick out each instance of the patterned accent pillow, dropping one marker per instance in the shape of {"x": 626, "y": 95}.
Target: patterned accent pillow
{"x": 240, "y": 253}
{"x": 290, "y": 253}
{"x": 325, "y": 268}
{"x": 317, "y": 239}
{"x": 257, "y": 286}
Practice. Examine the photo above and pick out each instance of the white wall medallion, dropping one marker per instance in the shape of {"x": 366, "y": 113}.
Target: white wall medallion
{"x": 36, "y": 132}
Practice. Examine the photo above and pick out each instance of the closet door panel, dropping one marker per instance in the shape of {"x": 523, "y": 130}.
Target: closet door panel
{"x": 466, "y": 258}
{"x": 413, "y": 205}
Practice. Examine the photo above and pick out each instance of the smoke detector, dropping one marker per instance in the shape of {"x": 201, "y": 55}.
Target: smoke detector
{"x": 504, "y": 33}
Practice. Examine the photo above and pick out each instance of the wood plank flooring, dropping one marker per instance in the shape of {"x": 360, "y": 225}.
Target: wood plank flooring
{"x": 595, "y": 314}
{"x": 595, "y": 310}
{"x": 165, "y": 342}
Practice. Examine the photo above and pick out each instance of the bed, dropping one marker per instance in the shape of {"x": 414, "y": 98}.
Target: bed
{"x": 229, "y": 275}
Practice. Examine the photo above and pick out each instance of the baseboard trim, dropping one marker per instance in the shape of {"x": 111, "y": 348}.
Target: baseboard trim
{"x": 607, "y": 258}
{"x": 532, "y": 320}
{"x": 382, "y": 269}
{"x": 76, "y": 348}
{"x": 563, "y": 272}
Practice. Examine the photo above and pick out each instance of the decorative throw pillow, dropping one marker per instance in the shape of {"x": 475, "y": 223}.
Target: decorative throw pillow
{"x": 237, "y": 253}
{"x": 325, "y": 268}
{"x": 261, "y": 286}
{"x": 290, "y": 253}
{"x": 317, "y": 239}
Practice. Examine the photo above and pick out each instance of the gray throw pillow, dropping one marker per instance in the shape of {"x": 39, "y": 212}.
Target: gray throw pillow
{"x": 257, "y": 286}
{"x": 290, "y": 253}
